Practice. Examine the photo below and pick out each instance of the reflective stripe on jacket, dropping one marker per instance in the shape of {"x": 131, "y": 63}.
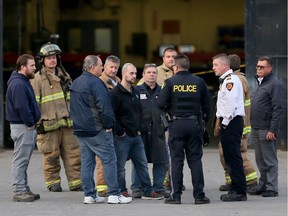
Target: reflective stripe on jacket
{"x": 52, "y": 100}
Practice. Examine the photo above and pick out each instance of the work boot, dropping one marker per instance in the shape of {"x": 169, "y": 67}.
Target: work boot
{"x": 77, "y": 188}
{"x": 170, "y": 200}
{"x": 24, "y": 197}
{"x": 204, "y": 200}
{"x": 270, "y": 193}
{"x": 36, "y": 196}
{"x": 225, "y": 187}
{"x": 230, "y": 197}
{"x": 252, "y": 188}
{"x": 55, "y": 188}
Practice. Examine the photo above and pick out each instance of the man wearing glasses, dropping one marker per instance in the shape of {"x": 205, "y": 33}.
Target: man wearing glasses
{"x": 266, "y": 112}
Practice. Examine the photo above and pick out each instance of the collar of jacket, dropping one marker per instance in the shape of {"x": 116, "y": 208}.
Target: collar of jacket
{"x": 183, "y": 73}
{"x": 165, "y": 68}
{"x": 265, "y": 78}
{"x": 124, "y": 90}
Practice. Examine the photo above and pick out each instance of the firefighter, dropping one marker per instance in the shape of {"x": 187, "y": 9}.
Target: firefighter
{"x": 55, "y": 137}
{"x": 249, "y": 170}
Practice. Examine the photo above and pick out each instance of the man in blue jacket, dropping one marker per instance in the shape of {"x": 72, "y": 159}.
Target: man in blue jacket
{"x": 93, "y": 120}
{"x": 266, "y": 112}
{"x": 23, "y": 113}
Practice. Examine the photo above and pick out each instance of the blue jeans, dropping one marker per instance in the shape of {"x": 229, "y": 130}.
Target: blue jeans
{"x": 132, "y": 147}
{"x": 159, "y": 172}
{"x": 24, "y": 144}
{"x": 102, "y": 146}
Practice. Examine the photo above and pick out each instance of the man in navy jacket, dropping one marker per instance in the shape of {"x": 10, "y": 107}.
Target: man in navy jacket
{"x": 93, "y": 118}
{"x": 23, "y": 113}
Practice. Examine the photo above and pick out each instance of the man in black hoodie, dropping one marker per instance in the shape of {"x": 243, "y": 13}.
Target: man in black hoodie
{"x": 23, "y": 113}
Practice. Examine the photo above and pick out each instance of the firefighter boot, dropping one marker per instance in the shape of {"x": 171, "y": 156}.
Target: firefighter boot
{"x": 55, "y": 188}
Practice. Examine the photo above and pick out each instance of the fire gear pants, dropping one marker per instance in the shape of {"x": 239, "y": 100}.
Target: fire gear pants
{"x": 100, "y": 180}
{"x": 60, "y": 143}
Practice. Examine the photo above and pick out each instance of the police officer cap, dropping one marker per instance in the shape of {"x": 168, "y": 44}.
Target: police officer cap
{"x": 49, "y": 49}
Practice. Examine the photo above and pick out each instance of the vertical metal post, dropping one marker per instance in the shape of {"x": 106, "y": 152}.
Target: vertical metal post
{"x": 1, "y": 78}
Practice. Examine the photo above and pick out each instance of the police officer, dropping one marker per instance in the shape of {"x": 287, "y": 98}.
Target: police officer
{"x": 230, "y": 111}
{"x": 186, "y": 98}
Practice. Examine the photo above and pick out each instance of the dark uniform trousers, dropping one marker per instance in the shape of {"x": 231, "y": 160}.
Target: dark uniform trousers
{"x": 185, "y": 136}
{"x": 231, "y": 139}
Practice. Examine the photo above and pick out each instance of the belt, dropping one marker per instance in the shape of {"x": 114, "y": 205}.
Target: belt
{"x": 194, "y": 117}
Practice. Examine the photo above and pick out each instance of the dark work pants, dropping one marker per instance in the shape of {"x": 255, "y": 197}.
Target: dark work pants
{"x": 231, "y": 139}
{"x": 186, "y": 136}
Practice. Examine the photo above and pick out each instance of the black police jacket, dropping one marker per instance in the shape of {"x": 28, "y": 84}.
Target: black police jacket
{"x": 184, "y": 95}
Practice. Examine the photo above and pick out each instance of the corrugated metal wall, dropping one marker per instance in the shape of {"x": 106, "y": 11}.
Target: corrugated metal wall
{"x": 266, "y": 34}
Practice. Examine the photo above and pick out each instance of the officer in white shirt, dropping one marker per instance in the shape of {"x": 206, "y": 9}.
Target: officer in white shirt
{"x": 230, "y": 111}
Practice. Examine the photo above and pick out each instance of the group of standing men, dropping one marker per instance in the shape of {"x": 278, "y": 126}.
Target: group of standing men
{"x": 112, "y": 119}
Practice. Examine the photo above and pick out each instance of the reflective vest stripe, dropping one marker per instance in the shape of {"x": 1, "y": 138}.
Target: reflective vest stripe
{"x": 48, "y": 98}
{"x": 58, "y": 124}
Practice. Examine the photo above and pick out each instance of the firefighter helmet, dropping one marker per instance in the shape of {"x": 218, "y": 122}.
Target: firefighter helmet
{"x": 49, "y": 49}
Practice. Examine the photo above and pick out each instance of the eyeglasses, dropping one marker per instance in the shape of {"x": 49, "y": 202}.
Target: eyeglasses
{"x": 261, "y": 67}
{"x": 150, "y": 65}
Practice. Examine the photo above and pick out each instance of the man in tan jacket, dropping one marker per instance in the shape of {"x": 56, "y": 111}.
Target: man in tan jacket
{"x": 55, "y": 137}
{"x": 110, "y": 79}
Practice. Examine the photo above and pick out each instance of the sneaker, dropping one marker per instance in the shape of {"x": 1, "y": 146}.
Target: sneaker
{"x": 55, "y": 188}
{"x": 204, "y": 200}
{"x": 270, "y": 193}
{"x": 24, "y": 197}
{"x": 230, "y": 197}
{"x": 136, "y": 194}
{"x": 119, "y": 199}
{"x": 169, "y": 200}
{"x": 152, "y": 196}
{"x": 77, "y": 188}
{"x": 36, "y": 196}
{"x": 91, "y": 200}
{"x": 126, "y": 194}
{"x": 225, "y": 187}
